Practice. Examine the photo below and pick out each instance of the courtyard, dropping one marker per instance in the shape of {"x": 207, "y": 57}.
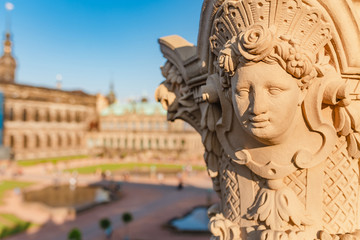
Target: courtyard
{"x": 152, "y": 199}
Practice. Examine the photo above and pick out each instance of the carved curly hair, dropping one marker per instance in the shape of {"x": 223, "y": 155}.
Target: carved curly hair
{"x": 259, "y": 44}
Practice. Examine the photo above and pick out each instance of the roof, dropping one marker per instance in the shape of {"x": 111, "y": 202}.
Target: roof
{"x": 141, "y": 108}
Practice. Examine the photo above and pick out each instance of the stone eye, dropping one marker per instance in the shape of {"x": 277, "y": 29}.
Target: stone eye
{"x": 242, "y": 93}
{"x": 274, "y": 91}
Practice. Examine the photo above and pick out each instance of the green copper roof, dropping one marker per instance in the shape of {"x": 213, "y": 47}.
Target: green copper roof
{"x": 145, "y": 108}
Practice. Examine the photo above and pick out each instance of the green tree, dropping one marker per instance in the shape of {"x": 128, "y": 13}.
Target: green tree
{"x": 74, "y": 234}
{"x": 127, "y": 218}
{"x": 104, "y": 223}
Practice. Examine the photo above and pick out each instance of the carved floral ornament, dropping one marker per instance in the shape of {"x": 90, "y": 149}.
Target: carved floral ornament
{"x": 277, "y": 117}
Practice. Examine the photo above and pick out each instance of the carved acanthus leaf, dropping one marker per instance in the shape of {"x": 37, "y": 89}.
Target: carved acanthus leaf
{"x": 276, "y": 207}
{"x": 223, "y": 228}
{"x": 347, "y": 123}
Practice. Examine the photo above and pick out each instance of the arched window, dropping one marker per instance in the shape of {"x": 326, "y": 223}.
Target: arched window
{"x": 133, "y": 143}
{"x": 78, "y": 117}
{"x": 24, "y": 115}
{"x": 149, "y": 143}
{"x": 59, "y": 141}
{"x": 58, "y": 116}
{"x": 78, "y": 140}
{"x": 11, "y": 114}
{"x": 37, "y": 117}
{"x": 118, "y": 142}
{"x": 141, "y": 144}
{"x": 157, "y": 143}
{"x": 68, "y": 116}
{"x": 12, "y": 141}
{"x": 37, "y": 141}
{"x": 25, "y": 142}
{"x": 48, "y": 117}
{"x": 49, "y": 141}
{"x": 69, "y": 140}
{"x": 126, "y": 143}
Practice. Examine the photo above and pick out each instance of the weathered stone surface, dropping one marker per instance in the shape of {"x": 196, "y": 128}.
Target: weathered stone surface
{"x": 273, "y": 89}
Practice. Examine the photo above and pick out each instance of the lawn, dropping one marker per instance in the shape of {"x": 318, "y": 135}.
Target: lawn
{"x": 10, "y": 185}
{"x": 131, "y": 166}
{"x": 10, "y": 224}
{"x": 28, "y": 163}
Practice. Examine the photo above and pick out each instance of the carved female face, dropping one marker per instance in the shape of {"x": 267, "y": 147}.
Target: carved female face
{"x": 266, "y": 100}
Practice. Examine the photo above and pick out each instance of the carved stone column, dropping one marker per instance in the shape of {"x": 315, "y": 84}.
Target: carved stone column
{"x": 273, "y": 88}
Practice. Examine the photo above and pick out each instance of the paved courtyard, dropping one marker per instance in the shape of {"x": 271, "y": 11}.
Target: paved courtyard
{"x": 151, "y": 203}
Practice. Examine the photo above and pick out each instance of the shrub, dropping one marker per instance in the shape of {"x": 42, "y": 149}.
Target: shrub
{"x": 74, "y": 234}
{"x": 127, "y": 217}
{"x": 104, "y": 223}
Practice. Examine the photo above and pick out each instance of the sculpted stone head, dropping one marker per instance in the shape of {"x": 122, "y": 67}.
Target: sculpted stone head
{"x": 267, "y": 78}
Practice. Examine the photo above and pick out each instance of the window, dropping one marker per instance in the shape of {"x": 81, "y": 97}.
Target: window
{"x": 149, "y": 143}
{"x": 68, "y": 116}
{"x": 49, "y": 141}
{"x": 59, "y": 141}
{"x": 24, "y": 115}
{"x": 37, "y": 117}
{"x": 78, "y": 140}
{"x": 78, "y": 117}
{"x": 58, "y": 116}
{"x": 69, "y": 140}
{"x": 11, "y": 114}
{"x": 48, "y": 117}
{"x": 157, "y": 143}
{"x": 12, "y": 141}
{"x": 37, "y": 141}
{"x": 141, "y": 144}
{"x": 25, "y": 141}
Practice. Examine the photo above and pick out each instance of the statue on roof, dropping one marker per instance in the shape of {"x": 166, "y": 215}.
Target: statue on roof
{"x": 272, "y": 87}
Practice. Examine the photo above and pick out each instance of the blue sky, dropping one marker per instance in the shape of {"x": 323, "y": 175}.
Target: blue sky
{"x": 93, "y": 42}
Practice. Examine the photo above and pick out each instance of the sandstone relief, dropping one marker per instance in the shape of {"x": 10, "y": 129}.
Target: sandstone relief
{"x": 273, "y": 89}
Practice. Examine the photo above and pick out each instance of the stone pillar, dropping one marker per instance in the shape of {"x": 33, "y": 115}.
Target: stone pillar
{"x": 268, "y": 90}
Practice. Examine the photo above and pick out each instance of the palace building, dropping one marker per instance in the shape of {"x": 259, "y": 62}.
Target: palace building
{"x": 42, "y": 122}
{"x": 142, "y": 125}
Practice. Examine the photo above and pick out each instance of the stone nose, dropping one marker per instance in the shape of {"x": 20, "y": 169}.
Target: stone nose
{"x": 258, "y": 103}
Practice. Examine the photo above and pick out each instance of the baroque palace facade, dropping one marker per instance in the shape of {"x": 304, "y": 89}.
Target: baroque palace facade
{"x": 140, "y": 126}
{"x": 41, "y": 122}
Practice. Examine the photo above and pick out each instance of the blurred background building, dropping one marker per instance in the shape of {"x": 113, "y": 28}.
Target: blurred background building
{"x": 40, "y": 122}
{"x": 142, "y": 125}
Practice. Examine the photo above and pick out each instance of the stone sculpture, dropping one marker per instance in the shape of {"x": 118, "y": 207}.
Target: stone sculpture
{"x": 273, "y": 88}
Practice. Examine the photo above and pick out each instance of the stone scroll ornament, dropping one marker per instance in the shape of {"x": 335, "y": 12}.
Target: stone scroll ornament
{"x": 273, "y": 88}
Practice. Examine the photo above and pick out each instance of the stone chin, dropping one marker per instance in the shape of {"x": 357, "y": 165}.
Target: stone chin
{"x": 265, "y": 133}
